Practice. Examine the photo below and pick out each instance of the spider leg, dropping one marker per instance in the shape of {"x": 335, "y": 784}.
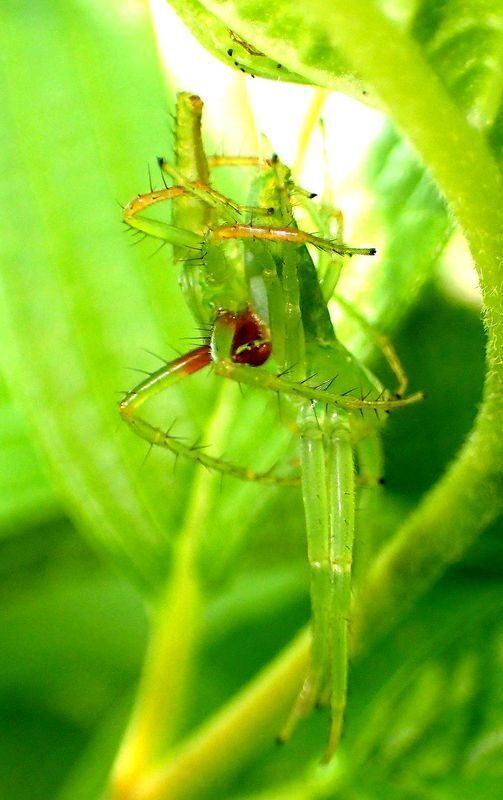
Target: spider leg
{"x": 328, "y": 488}
{"x": 286, "y": 235}
{"x": 133, "y": 216}
{"x": 341, "y": 492}
{"x": 381, "y": 341}
{"x": 262, "y": 379}
{"x": 164, "y": 378}
{"x": 201, "y": 190}
{"x": 369, "y": 480}
{"x": 317, "y": 514}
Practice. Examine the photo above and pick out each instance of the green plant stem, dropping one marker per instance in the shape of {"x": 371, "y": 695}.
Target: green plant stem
{"x": 175, "y": 631}
{"x": 242, "y": 728}
{"x": 174, "y": 636}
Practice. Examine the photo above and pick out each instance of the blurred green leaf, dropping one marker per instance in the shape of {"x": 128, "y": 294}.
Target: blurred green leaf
{"x": 71, "y": 638}
{"x": 464, "y": 43}
{"x": 75, "y": 296}
{"x": 26, "y": 497}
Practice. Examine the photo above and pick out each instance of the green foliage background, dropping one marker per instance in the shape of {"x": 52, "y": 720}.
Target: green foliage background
{"x": 88, "y": 533}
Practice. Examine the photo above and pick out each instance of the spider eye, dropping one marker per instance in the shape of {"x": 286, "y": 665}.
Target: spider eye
{"x": 250, "y": 344}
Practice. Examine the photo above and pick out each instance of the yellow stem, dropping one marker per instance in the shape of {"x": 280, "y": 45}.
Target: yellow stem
{"x": 175, "y": 633}
{"x": 246, "y": 725}
{"x": 308, "y": 125}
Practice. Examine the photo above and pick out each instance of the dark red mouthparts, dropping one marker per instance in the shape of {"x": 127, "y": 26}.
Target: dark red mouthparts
{"x": 250, "y": 344}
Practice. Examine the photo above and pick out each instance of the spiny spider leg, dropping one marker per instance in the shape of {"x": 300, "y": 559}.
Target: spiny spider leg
{"x": 171, "y": 234}
{"x": 206, "y": 193}
{"x": 265, "y": 380}
{"x": 162, "y": 379}
{"x": 283, "y": 235}
{"x": 328, "y": 489}
{"x": 174, "y": 234}
{"x": 381, "y": 341}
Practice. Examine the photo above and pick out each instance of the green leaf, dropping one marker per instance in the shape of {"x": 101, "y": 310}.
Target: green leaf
{"x": 226, "y": 44}
{"x": 464, "y": 44}
{"x": 463, "y": 41}
{"x": 78, "y": 304}
{"x": 71, "y": 638}
{"x": 26, "y": 497}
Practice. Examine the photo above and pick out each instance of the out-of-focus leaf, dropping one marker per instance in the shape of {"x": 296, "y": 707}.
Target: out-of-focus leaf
{"x": 70, "y": 642}
{"x": 463, "y": 40}
{"x": 88, "y": 776}
{"x": 464, "y": 43}
{"x": 436, "y": 332}
{"x": 71, "y": 638}
{"x": 35, "y": 750}
{"x": 26, "y": 498}
{"x": 424, "y": 718}
{"x": 83, "y": 115}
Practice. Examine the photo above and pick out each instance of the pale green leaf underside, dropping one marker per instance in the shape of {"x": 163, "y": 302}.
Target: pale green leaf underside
{"x": 77, "y": 305}
{"x": 26, "y": 496}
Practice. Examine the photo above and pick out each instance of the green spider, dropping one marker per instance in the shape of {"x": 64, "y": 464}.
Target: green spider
{"x": 249, "y": 276}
